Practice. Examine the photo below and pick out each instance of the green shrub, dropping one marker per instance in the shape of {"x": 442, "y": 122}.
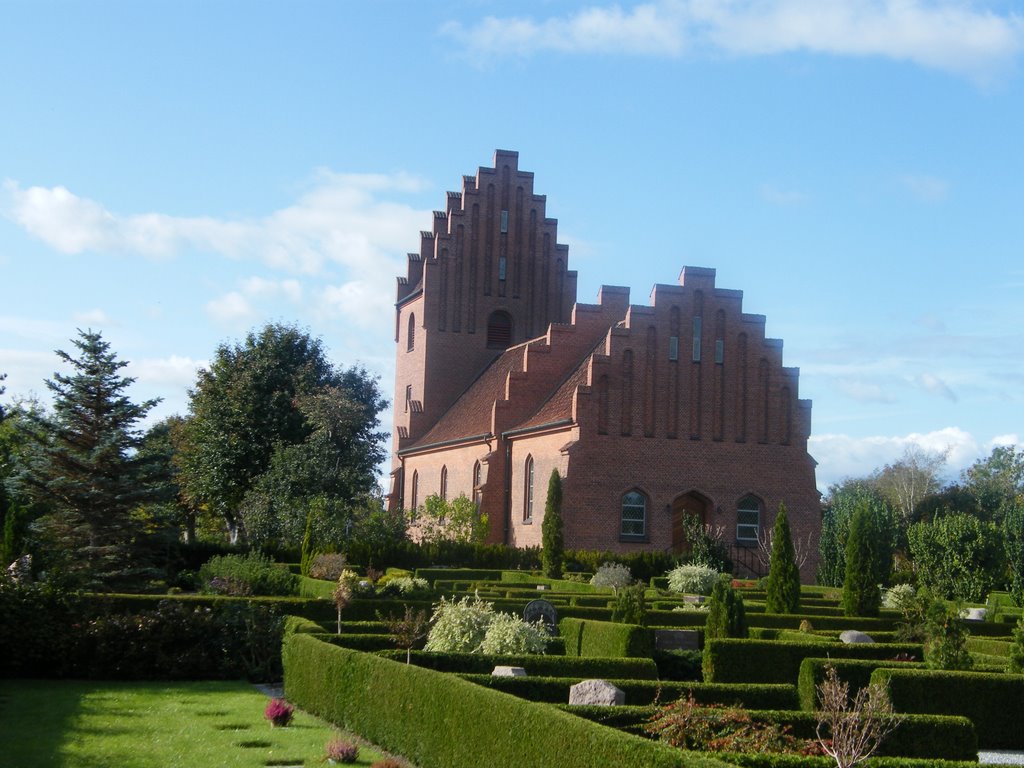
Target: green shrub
{"x": 244, "y": 575}
{"x": 412, "y": 711}
{"x": 783, "y": 589}
{"x": 774, "y": 661}
{"x": 630, "y": 605}
{"x": 613, "y": 576}
{"x": 957, "y": 555}
{"x": 605, "y": 638}
{"x": 866, "y": 564}
{"x": 508, "y": 634}
{"x": 992, "y": 701}
{"x": 768, "y": 760}
{"x": 855, "y": 672}
{"x": 726, "y": 614}
{"x": 461, "y": 574}
{"x": 543, "y": 666}
{"x": 643, "y": 565}
{"x": 553, "y": 549}
{"x": 694, "y": 579}
{"x": 1017, "y": 649}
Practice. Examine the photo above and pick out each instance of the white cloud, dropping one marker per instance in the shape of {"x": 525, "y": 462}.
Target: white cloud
{"x": 935, "y": 385}
{"x": 230, "y": 308}
{"x": 929, "y": 189}
{"x": 93, "y": 318}
{"x": 840, "y": 456}
{"x": 952, "y": 35}
{"x": 166, "y": 374}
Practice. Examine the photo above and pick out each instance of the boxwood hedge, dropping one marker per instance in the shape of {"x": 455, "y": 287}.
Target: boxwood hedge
{"x": 546, "y": 665}
{"x": 438, "y": 720}
{"x": 856, "y": 672}
{"x": 605, "y": 638}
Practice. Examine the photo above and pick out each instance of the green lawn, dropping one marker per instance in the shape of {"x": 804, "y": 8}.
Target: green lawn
{"x": 82, "y": 724}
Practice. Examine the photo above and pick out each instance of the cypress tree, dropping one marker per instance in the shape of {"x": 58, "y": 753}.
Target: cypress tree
{"x": 553, "y": 544}
{"x": 783, "y": 573}
{"x": 726, "y": 614}
{"x": 861, "y": 593}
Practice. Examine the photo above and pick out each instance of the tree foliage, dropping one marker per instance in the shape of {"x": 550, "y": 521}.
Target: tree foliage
{"x": 274, "y": 425}
{"x": 83, "y": 464}
{"x": 456, "y": 520}
{"x": 997, "y": 482}
{"x": 842, "y": 502}
{"x": 867, "y": 564}
{"x": 906, "y": 481}
{"x": 1013, "y": 541}
{"x": 958, "y": 556}
{"x": 783, "y": 574}
{"x": 552, "y": 540}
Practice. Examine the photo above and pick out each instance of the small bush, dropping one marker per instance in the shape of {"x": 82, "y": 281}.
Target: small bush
{"x": 630, "y": 606}
{"x": 279, "y": 712}
{"x": 726, "y": 614}
{"x": 898, "y": 597}
{"x": 341, "y": 751}
{"x": 508, "y": 634}
{"x": 243, "y": 575}
{"x": 613, "y": 575}
{"x": 328, "y": 566}
{"x": 410, "y": 587}
{"x": 459, "y": 626}
{"x": 693, "y": 579}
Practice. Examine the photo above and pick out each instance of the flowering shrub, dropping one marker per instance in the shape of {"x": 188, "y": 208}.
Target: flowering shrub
{"x": 328, "y": 566}
{"x": 406, "y": 586}
{"x": 899, "y": 597}
{"x": 694, "y": 579}
{"x": 341, "y": 751}
{"x": 279, "y": 712}
{"x": 614, "y": 575}
{"x": 459, "y": 626}
{"x": 508, "y": 634}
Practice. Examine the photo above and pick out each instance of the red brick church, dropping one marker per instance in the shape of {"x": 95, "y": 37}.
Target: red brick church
{"x": 649, "y": 412}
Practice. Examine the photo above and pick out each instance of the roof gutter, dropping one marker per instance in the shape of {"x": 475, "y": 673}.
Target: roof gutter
{"x": 483, "y": 437}
{"x": 538, "y": 428}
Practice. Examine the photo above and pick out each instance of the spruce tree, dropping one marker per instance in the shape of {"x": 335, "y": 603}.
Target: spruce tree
{"x": 553, "y": 543}
{"x": 862, "y": 595}
{"x": 783, "y": 573}
{"x": 84, "y": 468}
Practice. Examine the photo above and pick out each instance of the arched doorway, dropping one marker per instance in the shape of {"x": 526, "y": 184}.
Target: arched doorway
{"x": 690, "y": 504}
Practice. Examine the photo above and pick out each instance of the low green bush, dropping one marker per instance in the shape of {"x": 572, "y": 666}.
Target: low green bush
{"x": 855, "y": 672}
{"x": 438, "y": 720}
{"x": 729, "y": 660}
{"x": 244, "y": 575}
{"x": 477, "y": 663}
{"x": 555, "y": 690}
{"x": 458, "y": 574}
{"x": 989, "y": 646}
{"x": 769, "y": 760}
{"x": 293, "y": 624}
{"x": 993, "y": 702}
{"x": 605, "y": 638}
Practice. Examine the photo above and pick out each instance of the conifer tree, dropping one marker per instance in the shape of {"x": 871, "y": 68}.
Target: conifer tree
{"x": 83, "y": 464}
{"x": 553, "y": 543}
{"x": 783, "y": 573}
{"x": 862, "y": 595}
{"x": 727, "y": 616}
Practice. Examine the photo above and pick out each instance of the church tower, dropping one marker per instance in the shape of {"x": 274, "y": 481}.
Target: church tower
{"x": 490, "y": 275}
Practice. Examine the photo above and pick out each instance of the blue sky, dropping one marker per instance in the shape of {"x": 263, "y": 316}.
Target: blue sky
{"x": 176, "y": 173}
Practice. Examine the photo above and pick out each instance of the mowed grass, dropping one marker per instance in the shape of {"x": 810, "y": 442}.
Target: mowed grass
{"x": 85, "y": 724}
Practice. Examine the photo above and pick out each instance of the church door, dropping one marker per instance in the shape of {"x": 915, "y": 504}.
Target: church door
{"x": 688, "y": 505}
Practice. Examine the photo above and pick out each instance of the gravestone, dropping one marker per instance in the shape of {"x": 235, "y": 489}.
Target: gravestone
{"x": 596, "y": 693}
{"x": 508, "y": 672}
{"x": 677, "y": 639}
{"x": 542, "y": 610}
{"x": 853, "y": 636}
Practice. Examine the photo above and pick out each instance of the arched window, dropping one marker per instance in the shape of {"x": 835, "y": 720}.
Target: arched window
{"x": 748, "y": 520}
{"x": 415, "y": 489}
{"x": 499, "y": 330}
{"x": 444, "y": 483}
{"x": 477, "y": 490}
{"x": 410, "y": 336}
{"x": 528, "y": 491}
{"x": 634, "y": 515}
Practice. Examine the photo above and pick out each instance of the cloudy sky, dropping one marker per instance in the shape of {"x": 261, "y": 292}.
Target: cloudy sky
{"x": 177, "y": 173}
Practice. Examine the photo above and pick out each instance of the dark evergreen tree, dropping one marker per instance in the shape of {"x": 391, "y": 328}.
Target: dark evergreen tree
{"x": 82, "y": 463}
{"x": 727, "y": 616}
{"x": 865, "y": 554}
{"x": 552, "y": 541}
{"x": 783, "y": 573}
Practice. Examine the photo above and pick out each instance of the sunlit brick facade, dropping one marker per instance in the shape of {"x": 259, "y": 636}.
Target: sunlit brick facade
{"x": 649, "y": 412}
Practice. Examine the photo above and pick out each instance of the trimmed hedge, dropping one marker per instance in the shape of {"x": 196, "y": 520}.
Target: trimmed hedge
{"x": 555, "y": 690}
{"x": 605, "y": 639}
{"x": 458, "y": 574}
{"x": 438, "y": 720}
{"x": 988, "y": 646}
{"x": 917, "y": 736}
{"x": 993, "y": 702}
{"x": 113, "y": 602}
{"x": 293, "y": 624}
{"x": 546, "y": 665}
{"x": 731, "y": 660}
{"x": 316, "y": 588}
{"x": 856, "y": 672}
{"x": 770, "y": 760}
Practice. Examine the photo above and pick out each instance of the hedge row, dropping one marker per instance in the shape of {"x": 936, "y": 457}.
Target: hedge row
{"x": 856, "y": 672}
{"x": 113, "y": 602}
{"x": 438, "y": 720}
{"x": 605, "y": 639}
{"x": 547, "y": 665}
{"x": 993, "y": 702}
{"x": 989, "y": 646}
{"x": 555, "y": 690}
{"x": 728, "y": 660}
{"x": 770, "y": 760}
{"x": 917, "y": 736}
